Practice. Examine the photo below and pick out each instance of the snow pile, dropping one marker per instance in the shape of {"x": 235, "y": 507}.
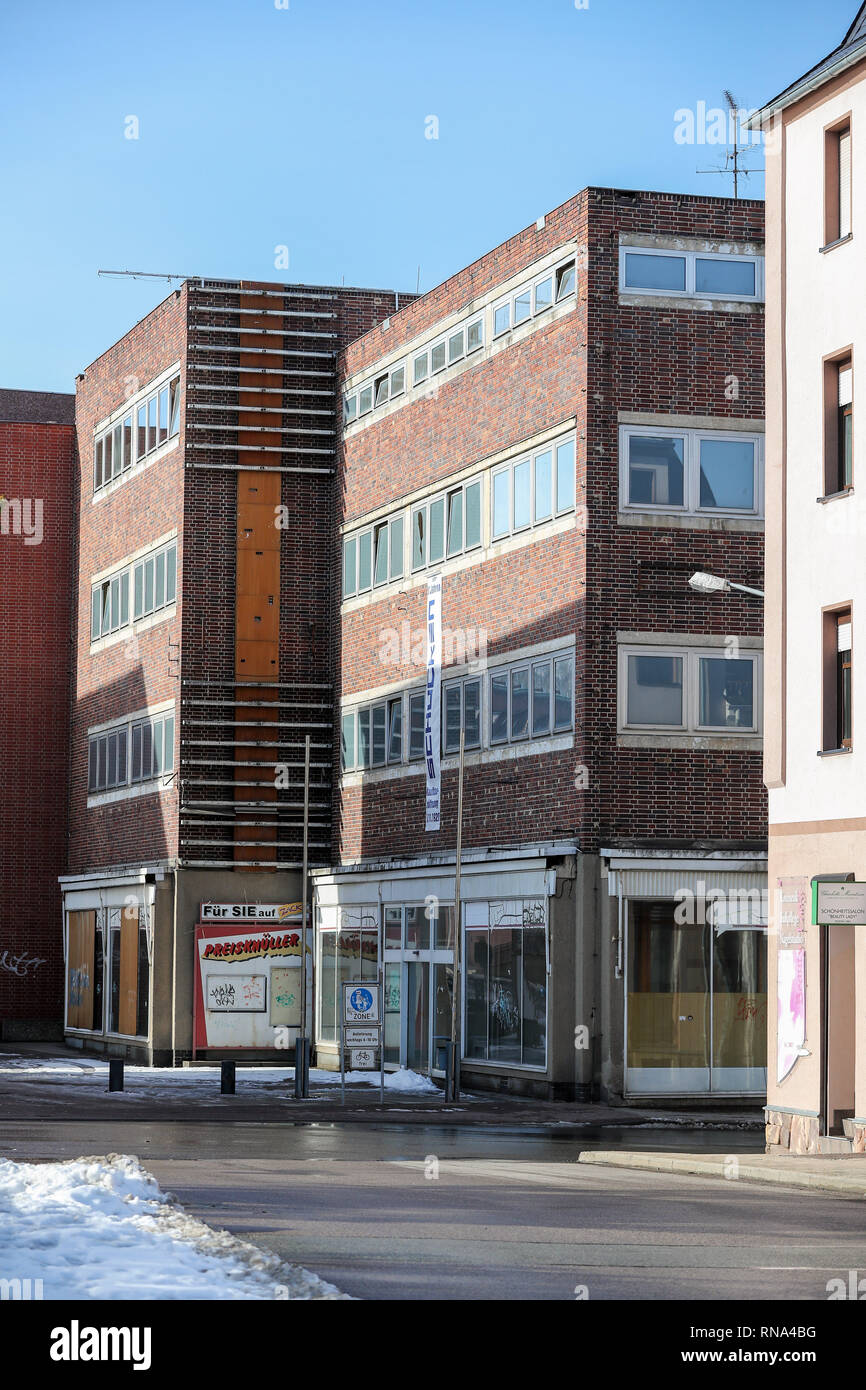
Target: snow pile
{"x": 102, "y": 1228}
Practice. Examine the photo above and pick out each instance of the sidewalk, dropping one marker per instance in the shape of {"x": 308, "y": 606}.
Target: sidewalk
{"x": 844, "y": 1173}
{"x": 39, "y": 1081}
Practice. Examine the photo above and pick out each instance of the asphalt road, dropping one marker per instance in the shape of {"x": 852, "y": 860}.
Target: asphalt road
{"x": 414, "y": 1212}
{"x": 472, "y": 1229}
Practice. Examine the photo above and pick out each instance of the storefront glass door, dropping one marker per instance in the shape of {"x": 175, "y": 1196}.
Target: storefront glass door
{"x": 418, "y": 981}
{"x": 696, "y": 1003}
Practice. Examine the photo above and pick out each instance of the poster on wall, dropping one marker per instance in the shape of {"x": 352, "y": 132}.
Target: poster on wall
{"x": 248, "y": 977}
{"x": 432, "y": 700}
{"x": 791, "y": 1009}
{"x": 792, "y": 896}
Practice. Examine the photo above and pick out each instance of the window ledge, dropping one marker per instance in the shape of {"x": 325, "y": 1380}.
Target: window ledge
{"x": 745, "y": 742}
{"x": 831, "y": 245}
{"x": 833, "y": 496}
{"x": 833, "y": 752}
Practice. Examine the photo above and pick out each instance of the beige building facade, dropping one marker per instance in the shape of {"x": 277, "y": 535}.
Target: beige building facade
{"x": 815, "y": 619}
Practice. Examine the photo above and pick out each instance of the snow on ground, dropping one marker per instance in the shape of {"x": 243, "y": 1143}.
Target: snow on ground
{"x": 102, "y": 1228}
{"x": 164, "y": 1082}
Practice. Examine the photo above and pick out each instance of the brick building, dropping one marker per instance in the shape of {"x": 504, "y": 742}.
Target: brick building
{"x": 203, "y": 640}
{"x": 537, "y": 455}
{"x": 37, "y": 454}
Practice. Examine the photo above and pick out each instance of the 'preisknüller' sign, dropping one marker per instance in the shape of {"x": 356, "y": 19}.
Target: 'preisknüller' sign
{"x": 839, "y": 904}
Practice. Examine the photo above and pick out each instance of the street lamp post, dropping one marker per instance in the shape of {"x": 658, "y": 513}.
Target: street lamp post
{"x": 715, "y": 584}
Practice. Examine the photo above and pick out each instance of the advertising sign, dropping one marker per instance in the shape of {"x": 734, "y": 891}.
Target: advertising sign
{"x": 247, "y": 979}
{"x": 432, "y": 700}
{"x": 839, "y": 904}
{"x": 790, "y": 1009}
{"x": 360, "y": 1002}
{"x": 251, "y": 912}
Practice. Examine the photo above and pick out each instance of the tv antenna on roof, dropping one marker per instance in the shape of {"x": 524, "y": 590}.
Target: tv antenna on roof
{"x": 733, "y": 159}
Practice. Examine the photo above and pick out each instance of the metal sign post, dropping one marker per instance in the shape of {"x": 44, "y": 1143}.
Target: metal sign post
{"x": 361, "y": 1028}
{"x": 455, "y": 990}
{"x": 302, "y": 1048}
{"x": 837, "y": 900}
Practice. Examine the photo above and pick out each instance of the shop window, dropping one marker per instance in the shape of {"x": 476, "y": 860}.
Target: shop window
{"x": 505, "y": 980}
{"x": 348, "y": 953}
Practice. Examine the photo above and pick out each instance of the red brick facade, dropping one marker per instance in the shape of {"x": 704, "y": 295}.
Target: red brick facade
{"x": 36, "y": 465}
{"x": 588, "y": 366}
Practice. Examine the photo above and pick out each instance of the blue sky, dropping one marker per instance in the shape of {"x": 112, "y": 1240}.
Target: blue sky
{"x": 304, "y": 127}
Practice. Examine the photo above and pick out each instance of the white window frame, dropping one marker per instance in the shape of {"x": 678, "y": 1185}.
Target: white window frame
{"x": 130, "y": 411}
{"x": 691, "y": 258}
{"x": 127, "y": 572}
{"x": 366, "y": 709}
{"x": 692, "y": 438}
{"x": 126, "y": 726}
{"x": 691, "y": 658}
{"x": 460, "y": 684}
{"x": 528, "y": 664}
{"x": 551, "y": 446}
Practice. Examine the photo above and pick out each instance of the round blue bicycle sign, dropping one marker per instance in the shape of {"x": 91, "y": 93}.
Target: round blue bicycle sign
{"x": 361, "y": 1001}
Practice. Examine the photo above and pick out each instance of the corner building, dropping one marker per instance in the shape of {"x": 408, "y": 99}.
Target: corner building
{"x": 562, "y": 433}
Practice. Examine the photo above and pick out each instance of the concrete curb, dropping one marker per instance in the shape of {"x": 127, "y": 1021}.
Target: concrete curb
{"x": 783, "y": 1172}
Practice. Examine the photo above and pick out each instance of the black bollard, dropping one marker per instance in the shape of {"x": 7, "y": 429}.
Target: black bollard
{"x": 115, "y": 1075}
{"x": 302, "y": 1068}
{"x": 227, "y": 1078}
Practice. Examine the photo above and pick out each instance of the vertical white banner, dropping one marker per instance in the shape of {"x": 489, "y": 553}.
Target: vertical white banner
{"x": 433, "y": 699}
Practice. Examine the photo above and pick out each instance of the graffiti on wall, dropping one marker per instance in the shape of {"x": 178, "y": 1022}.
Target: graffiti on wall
{"x": 20, "y": 965}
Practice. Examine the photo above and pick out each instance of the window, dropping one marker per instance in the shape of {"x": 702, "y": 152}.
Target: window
{"x": 437, "y": 357}
{"x": 691, "y": 471}
{"x": 153, "y": 581}
{"x": 461, "y": 707}
{"x": 838, "y": 425}
{"x": 456, "y": 346}
{"x": 420, "y": 368}
{"x": 152, "y": 747}
{"x": 109, "y": 606}
{"x": 837, "y": 709}
{"x": 531, "y": 490}
{"x": 365, "y": 400}
{"x": 350, "y": 953}
{"x": 692, "y": 274}
{"x": 372, "y": 735}
{"x": 398, "y": 381}
{"x": 373, "y": 557}
{"x": 380, "y": 390}
{"x": 446, "y": 525}
{"x": 137, "y": 751}
{"x": 535, "y": 298}
{"x": 505, "y": 969}
{"x": 837, "y": 183}
{"x": 532, "y": 700}
{"x": 107, "y": 761}
{"x": 565, "y": 281}
{"x": 474, "y": 336}
{"x": 694, "y": 690}
{"x": 117, "y": 448}
{"x": 416, "y": 726}
{"x": 350, "y": 409}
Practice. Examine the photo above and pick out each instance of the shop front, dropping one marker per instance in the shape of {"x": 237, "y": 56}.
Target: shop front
{"x": 691, "y": 962}
{"x": 398, "y": 924}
